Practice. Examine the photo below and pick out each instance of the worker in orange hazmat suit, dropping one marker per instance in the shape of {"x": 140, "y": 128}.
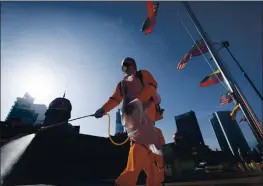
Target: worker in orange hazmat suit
{"x": 132, "y": 88}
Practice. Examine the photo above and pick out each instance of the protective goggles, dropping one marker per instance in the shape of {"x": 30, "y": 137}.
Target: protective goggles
{"x": 124, "y": 68}
{"x": 126, "y": 65}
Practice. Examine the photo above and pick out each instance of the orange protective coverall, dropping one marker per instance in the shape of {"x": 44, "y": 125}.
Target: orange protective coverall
{"x": 139, "y": 157}
{"x": 150, "y": 86}
{"x": 157, "y": 176}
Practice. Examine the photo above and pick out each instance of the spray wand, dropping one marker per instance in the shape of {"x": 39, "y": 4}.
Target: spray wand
{"x": 91, "y": 115}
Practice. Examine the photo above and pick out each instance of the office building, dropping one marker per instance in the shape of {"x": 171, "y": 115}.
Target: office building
{"x": 26, "y": 111}
{"x": 40, "y": 109}
{"x": 118, "y": 127}
{"x": 220, "y": 134}
{"x": 228, "y": 133}
{"x": 187, "y": 126}
{"x": 259, "y": 148}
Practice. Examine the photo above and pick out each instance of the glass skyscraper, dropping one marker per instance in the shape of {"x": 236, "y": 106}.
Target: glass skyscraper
{"x": 118, "y": 128}
{"x": 228, "y": 133}
{"x": 187, "y": 126}
{"x": 25, "y": 110}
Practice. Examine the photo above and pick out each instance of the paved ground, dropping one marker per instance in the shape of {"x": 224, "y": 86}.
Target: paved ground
{"x": 256, "y": 180}
{"x": 246, "y": 180}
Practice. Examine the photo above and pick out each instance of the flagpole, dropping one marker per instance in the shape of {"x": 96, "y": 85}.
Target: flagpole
{"x": 226, "y": 76}
{"x": 225, "y": 44}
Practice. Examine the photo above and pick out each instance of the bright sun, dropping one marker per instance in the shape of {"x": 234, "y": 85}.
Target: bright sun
{"x": 38, "y": 82}
{"x": 39, "y": 87}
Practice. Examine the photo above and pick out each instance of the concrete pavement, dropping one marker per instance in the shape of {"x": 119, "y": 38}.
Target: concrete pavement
{"x": 245, "y": 180}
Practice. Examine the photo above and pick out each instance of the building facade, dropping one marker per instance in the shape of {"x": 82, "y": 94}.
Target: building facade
{"x": 220, "y": 134}
{"x": 40, "y": 109}
{"x": 228, "y": 133}
{"x": 188, "y": 127}
{"x": 25, "y": 110}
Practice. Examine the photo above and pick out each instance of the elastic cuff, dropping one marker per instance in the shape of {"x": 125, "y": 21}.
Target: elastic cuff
{"x": 104, "y": 110}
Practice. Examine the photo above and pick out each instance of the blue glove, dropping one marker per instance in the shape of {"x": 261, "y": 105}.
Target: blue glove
{"x": 99, "y": 113}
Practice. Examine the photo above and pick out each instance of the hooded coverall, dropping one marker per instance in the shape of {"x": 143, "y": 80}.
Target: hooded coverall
{"x": 139, "y": 157}
{"x": 157, "y": 176}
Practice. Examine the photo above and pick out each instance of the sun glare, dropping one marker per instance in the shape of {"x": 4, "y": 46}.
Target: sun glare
{"x": 39, "y": 87}
{"x": 38, "y": 82}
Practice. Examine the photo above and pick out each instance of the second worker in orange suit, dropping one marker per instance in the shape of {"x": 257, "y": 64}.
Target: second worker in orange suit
{"x": 128, "y": 89}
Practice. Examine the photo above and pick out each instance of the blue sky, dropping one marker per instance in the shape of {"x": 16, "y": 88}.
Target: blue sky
{"x": 47, "y": 48}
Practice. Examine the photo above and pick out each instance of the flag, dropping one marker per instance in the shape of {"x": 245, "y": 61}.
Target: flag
{"x": 243, "y": 119}
{"x": 234, "y": 112}
{"x": 197, "y": 49}
{"x": 150, "y": 20}
{"x": 225, "y": 99}
{"x": 183, "y": 62}
{"x": 212, "y": 79}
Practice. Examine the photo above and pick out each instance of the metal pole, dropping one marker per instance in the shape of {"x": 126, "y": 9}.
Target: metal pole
{"x": 227, "y": 78}
{"x": 211, "y": 50}
{"x": 242, "y": 70}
